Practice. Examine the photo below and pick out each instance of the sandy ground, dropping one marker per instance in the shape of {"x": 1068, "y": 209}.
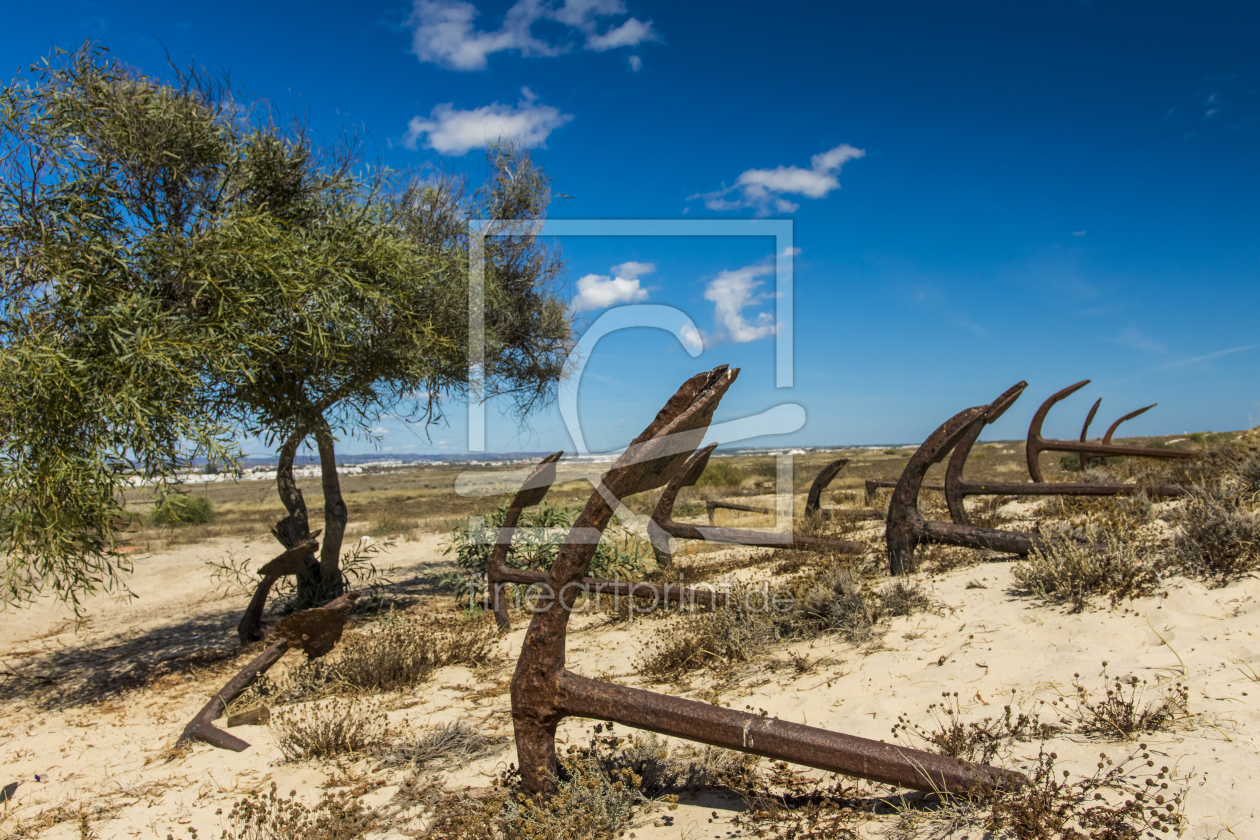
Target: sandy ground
{"x": 90, "y": 711}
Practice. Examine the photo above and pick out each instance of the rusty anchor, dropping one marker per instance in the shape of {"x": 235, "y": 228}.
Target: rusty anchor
{"x": 1111, "y": 430}
{"x": 813, "y": 501}
{"x": 498, "y": 573}
{"x": 316, "y": 631}
{"x": 907, "y": 528}
{"x": 712, "y": 505}
{"x": 250, "y": 628}
{"x": 544, "y": 692}
{"x": 663, "y": 526}
{"x": 874, "y": 485}
{"x": 1037, "y": 444}
{"x": 956, "y": 490}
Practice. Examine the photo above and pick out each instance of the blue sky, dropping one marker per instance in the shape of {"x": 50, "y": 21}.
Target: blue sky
{"x": 979, "y": 192}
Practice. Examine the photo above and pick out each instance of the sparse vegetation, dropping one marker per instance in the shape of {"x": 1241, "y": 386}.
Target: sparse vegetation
{"x": 720, "y": 472}
{"x": 1123, "y": 712}
{"x": 456, "y": 743}
{"x": 540, "y": 531}
{"x": 1114, "y": 803}
{"x": 976, "y": 741}
{"x": 328, "y": 728}
{"x": 400, "y": 653}
{"x": 1073, "y": 572}
{"x": 337, "y": 816}
{"x": 1219, "y": 538}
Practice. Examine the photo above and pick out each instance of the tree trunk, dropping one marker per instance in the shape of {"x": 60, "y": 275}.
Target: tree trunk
{"x": 295, "y": 528}
{"x": 335, "y": 513}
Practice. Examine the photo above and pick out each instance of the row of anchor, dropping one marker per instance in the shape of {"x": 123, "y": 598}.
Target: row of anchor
{"x": 544, "y": 692}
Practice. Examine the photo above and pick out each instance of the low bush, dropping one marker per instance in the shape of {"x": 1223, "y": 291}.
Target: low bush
{"x": 273, "y": 817}
{"x": 457, "y": 743}
{"x": 329, "y": 728}
{"x": 540, "y": 532}
{"x": 1066, "y": 571}
{"x": 1219, "y": 538}
{"x": 399, "y": 654}
{"x": 175, "y": 509}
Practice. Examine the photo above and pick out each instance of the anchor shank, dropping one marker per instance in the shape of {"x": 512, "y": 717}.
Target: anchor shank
{"x": 775, "y": 739}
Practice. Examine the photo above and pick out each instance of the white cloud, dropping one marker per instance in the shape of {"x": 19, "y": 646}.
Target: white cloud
{"x": 1135, "y": 339}
{"x": 691, "y": 337}
{"x": 636, "y": 64}
{"x": 764, "y": 189}
{"x": 451, "y": 131}
{"x": 445, "y": 33}
{"x": 733, "y": 291}
{"x": 633, "y": 269}
{"x": 790, "y": 252}
{"x": 599, "y": 291}
{"x": 1079, "y": 232}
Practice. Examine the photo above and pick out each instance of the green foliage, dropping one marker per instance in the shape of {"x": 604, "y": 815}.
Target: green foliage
{"x": 540, "y": 532}
{"x": 179, "y": 267}
{"x": 720, "y": 472}
{"x": 176, "y": 509}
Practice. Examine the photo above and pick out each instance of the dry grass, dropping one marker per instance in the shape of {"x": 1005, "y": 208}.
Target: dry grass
{"x": 328, "y": 728}
{"x": 273, "y": 817}
{"x": 400, "y": 653}
{"x": 456, "y": 743}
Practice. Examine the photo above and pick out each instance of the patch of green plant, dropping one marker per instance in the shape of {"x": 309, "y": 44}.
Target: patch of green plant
{"x": 720, "y": 472}
{"x": 539, "y": 533}
{"x": 175, "y": 509}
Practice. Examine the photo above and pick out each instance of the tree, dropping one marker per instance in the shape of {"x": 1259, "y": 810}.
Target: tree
{"x": 178, "y": 268}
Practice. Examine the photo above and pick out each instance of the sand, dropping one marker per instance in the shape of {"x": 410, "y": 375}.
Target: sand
{"x": 97, "y": 740}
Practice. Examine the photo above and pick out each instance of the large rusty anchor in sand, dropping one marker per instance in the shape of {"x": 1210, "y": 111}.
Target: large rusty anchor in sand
{"x": 1038, "y": 444}
{"x": 316, "y": 631}
{"x": 956, "y": 489}
{"x": 907, "y": 529}
{"x": 544, "y": 692}
{"x": 498, "y": 573}
{"x": 663, "y": 526}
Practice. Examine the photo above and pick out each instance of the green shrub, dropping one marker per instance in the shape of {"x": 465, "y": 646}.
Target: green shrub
{"x": 721, "y": 473}
{"x": 175, "y": 509}
{"x": 539, "y": 534}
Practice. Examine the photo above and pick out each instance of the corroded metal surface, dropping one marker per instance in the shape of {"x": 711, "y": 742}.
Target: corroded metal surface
{"x": 533, "y": 489}
{"x": 873, "y": 485}
{"x": 712, "y": 505}
{"x": 250, "y": 628}
{"x": 1037, "y": 444}
{"x": 956, "y": 489}
{"x": 813, "y": 501}
{"x": 315, "y": 631}
{"x": 1085, "y": 431}
{"x": 544, "y": 692}
{"x": 663, "y": 526}
{"x": 907, "y": 528}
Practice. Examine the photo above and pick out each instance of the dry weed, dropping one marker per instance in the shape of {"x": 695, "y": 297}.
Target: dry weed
{"x": 328, "y": 728}
{"x": 273, "y": 817}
